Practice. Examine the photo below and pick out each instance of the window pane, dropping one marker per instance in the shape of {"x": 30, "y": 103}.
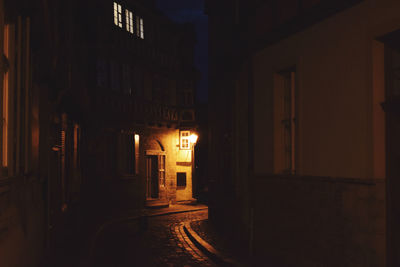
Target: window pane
{"x": 131, "y": 22}
{"x": 115, "y": 16}
{"x": 181, "y": 179}
{"x": 127, "y": 19}
{"x": 141, "y": 29}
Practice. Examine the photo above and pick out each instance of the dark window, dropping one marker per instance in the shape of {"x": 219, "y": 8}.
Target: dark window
{"x": 156, "y": 92}
{"x": 187, "y": 116}
{"x": 126, "y": 79}
{"x": 102, "y": 73}
{"x": 181, "y": 179}
{"x": 138, "y": 81}
{"x": 185, "y": 93}
{"x": 115, "y": 77}
{"x": 128, "y": 156}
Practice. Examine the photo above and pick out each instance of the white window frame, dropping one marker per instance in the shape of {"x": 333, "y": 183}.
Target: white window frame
{"x": 184, "y": 140}
{"x": 117, "y": 14}
{"x": 140, "y": 27}
{"x": 129, "y": 20}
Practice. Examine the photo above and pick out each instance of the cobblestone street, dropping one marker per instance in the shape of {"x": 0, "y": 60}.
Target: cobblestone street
{"x": 162, "y": 243}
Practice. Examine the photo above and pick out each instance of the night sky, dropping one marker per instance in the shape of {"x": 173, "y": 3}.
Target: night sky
{"x": 182, "y": 11}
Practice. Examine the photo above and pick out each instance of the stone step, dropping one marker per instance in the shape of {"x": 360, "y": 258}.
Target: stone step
{"x": 191, "y": 201}
{"x": 156, "y": 204}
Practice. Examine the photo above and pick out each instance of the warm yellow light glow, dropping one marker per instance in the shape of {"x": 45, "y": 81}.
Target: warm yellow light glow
{"x": 193, "y": 138}
{"x": 137, "y": 153}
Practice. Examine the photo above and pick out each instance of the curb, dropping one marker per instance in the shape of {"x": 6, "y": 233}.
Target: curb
{"x": 208, "y": 249}
{"x": 192, "y": 248}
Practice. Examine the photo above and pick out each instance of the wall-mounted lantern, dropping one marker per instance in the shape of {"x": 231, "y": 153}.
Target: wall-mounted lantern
{"x": 193, "y": 138}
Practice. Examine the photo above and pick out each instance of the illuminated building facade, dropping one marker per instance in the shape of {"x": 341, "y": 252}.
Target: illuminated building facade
{"x": 307, "y": 169}
{"x": 142, "y": 104}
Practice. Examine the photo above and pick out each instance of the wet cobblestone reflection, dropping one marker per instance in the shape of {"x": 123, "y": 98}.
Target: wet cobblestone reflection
{"x": 162, "y": 244}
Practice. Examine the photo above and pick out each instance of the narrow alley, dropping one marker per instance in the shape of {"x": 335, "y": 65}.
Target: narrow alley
{"x": 199, "y": 133}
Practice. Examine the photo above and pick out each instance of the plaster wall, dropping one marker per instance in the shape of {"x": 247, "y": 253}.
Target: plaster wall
{"x": 176, "y": 160}
{"x": 333, "y": 212}
{"x": 336, "y": 63}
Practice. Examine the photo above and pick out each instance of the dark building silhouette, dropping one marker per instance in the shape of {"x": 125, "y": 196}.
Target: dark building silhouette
{"x": 303, "y": 139}
{"x": 97, "y": 106}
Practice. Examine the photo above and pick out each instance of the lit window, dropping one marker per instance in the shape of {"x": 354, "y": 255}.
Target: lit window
{"x": 139, "y": 27}
{"x": 117, "y": 15}
{"x": 129, "y": 20}
{"x": 137, "y": 138}
{"x": 185, "y": 140}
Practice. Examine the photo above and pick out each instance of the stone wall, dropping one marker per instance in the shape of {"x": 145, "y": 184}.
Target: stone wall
{"x": 176, "y": 160}
{"x": 22, "y": 236}
{"x": 314, "y": 221}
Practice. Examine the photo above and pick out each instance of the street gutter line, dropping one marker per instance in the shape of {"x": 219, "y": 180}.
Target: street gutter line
{"x": 102, "y": 227}
{"x": 191, "y": 247}
{"x": 208, "y": 249}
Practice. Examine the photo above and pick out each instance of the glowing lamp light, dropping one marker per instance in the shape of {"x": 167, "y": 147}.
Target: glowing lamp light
{"x": 136, "y": 138}
{"x": 193, "y": 138}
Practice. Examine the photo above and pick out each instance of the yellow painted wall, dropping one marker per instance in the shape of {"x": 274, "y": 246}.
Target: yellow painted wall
{"x": 176, "y": 160}
{"x": 184, "y": 156}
